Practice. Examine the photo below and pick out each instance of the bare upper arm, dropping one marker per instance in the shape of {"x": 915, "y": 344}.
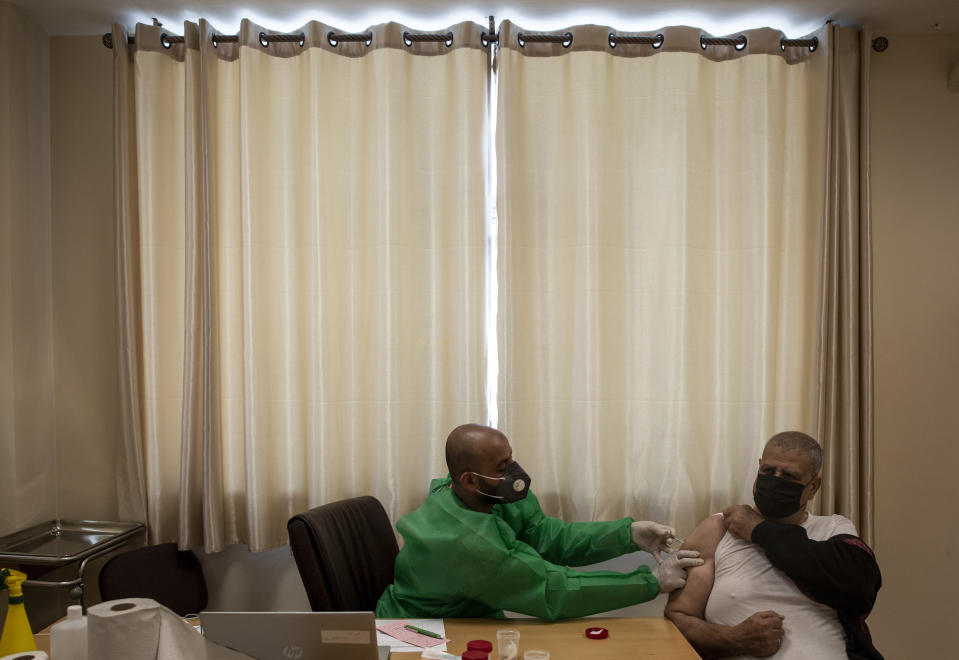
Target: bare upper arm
{"x": 691, "y": 599}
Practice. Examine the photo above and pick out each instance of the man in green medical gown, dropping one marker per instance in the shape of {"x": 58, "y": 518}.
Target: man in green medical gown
{"x": 480, "y": 544}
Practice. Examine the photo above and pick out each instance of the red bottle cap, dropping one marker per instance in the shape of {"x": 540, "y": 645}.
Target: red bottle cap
{"x": 597, "y": 633}
{"x": 480, "y": 645}
{"x": 473, "y": 654}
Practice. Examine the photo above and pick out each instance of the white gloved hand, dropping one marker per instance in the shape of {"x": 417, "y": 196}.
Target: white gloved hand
{"x": 651, "y": 536}
{"x": 671, "y": 574}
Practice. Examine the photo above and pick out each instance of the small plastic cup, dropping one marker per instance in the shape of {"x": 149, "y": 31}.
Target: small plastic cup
{"x": 507, "y": 644}
{"x": 536, "y": 655}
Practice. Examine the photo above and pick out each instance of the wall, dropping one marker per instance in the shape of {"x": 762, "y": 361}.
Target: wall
{"x": 84, "y": 281}
{"x": 915, "y": 210}
{"x": 27, "y": 404}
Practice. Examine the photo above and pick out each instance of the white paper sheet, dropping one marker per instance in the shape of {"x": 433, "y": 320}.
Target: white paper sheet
{"x": 399, "y": 646}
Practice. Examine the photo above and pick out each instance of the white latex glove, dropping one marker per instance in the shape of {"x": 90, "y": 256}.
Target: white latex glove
{"x": 671, "y": 574}
{"x": 651, "y": 536}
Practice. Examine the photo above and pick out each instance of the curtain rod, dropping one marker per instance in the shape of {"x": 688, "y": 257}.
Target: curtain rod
{"x": 566, "y": 39}
{"x": 334, "y": 38}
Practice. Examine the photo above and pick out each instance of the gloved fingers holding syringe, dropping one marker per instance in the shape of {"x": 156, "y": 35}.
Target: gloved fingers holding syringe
{"x": 655, "y": 538}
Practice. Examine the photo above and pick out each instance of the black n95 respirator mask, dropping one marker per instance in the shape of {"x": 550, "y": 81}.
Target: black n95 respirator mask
{"x": 513, "y": 485}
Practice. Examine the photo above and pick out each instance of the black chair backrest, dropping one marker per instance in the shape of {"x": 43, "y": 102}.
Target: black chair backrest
{"x": 173, "y": 578}
{"x": 345, "y": 552}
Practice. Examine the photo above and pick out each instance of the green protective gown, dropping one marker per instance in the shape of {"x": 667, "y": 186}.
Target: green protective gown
{"x": 457, "y": 562}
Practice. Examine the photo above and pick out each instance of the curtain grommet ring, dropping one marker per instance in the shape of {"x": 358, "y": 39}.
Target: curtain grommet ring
{"x": 739, "y": 43}
{"x": 565, "y": 39}
{"x": 811, "y": 44}
{"x": 165, "y": 41}
{"x": 409, "y": 38}
{"x": 263, "y": 40}
{"x": 656, "y": 42}
{"x": 335, "y": 39}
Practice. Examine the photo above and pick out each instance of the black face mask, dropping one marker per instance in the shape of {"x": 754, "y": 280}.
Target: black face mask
{"x": 513, "y": 485}
{"x": 776, "y": 497}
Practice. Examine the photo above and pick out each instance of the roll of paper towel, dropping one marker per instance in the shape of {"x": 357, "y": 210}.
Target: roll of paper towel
{"x": 142, "y": 629}
{"x": 27, "y": 655}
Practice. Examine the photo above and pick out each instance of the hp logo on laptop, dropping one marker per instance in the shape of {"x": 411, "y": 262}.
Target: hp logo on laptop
{"x": 293, "y": 652}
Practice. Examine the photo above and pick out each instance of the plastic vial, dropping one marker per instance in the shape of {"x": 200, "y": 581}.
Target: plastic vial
{"x": 68, "y": 639}
{"x": 507, "y": 642}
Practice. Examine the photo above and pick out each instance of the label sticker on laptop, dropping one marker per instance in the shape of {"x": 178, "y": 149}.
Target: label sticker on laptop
{"x": 346, "y": 637}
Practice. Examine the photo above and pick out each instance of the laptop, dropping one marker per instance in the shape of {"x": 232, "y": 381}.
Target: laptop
{"x": 296, "y": 635}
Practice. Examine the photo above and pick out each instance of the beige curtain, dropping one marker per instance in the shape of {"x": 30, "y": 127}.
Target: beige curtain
{"x": 660, "y": 221}
{"x": 131, "y": 465}
{"x": 845, "y": 406}
{"x": 301, "y": 270}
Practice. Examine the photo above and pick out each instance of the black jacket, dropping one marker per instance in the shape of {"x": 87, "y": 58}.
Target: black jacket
{"x": 840, "y": 572}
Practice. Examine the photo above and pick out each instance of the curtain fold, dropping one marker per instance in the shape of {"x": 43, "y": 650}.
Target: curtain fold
{"x": 131, "y": 467}
{"x": 659, "y": 228}
{"x": 845, "y": 404}
{"x": 310, "y": 270}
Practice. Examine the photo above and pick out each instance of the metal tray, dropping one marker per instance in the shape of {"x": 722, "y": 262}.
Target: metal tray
{"x": 59, "y": 542}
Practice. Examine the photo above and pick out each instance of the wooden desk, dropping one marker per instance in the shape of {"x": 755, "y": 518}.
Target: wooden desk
{"x": 629, "y": 638}
{"x": 42, "y": 639}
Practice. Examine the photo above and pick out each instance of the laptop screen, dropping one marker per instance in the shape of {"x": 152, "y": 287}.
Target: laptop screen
{"x": 295, "y": 635}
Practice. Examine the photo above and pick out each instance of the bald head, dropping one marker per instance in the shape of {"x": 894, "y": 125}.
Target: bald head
{"x": 466, "y": 444}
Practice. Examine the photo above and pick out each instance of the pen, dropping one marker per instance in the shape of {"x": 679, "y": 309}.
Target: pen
{"x": 421, "y": 631}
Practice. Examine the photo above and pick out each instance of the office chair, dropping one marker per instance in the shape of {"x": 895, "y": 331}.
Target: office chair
{"x": 345, "y": 552}
{"x": 173, "y": 578}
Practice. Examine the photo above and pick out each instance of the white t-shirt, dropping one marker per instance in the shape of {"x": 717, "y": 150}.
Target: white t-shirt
{"x": 746, "y": 583}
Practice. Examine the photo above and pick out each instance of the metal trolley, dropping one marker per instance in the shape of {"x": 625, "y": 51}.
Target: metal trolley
{"x": 67, "y": 554}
